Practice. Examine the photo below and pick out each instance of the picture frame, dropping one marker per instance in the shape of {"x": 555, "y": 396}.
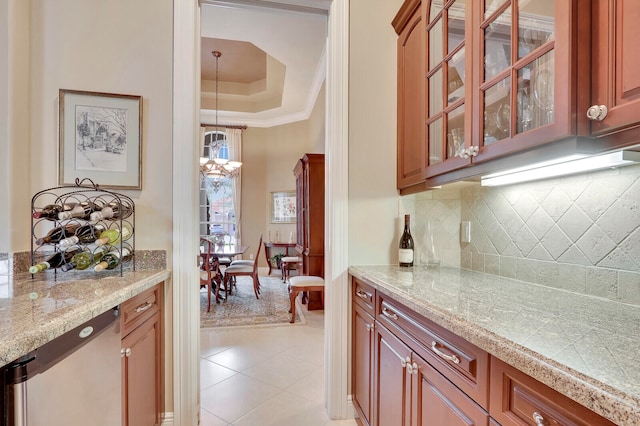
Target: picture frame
{"x": 283, "y": 207}
{"x": 100, "y": 138}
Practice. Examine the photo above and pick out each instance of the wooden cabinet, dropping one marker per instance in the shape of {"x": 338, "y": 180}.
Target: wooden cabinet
{"x": 438, "y": 402}
{"x": 616, "y": 65}
{"x": 392, "y": 383}
{"x": 309, "y": 173}
{"x": 142, "y": 358}
{"x": 363, "y": 324}
{"x": 411, "y": 158}
{"x": 396, "y": 380}
{"x": 408, "y": 370}
{"x": 501, "y": 78}
{"x": 519, "y": 400}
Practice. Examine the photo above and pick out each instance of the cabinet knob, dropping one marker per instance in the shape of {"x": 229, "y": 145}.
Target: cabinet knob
{"x": 537, "y": 417}
{"x": 597, "y": 112}
{"x": 472, "y": 151}
{"x": 370, "y": 327}
{"x": 405, "y": 362}
{"x": 125, "y": 352}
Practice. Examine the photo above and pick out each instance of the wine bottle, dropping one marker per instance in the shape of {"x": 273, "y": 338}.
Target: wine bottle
{"x": 51, "y": 211}
{"x": 113, "y": 259}
{"x": 83, "y": 260}
{"x": 55, "y": 235}
{"x": 81, "y": 211}
{"x": 54, "y": 260}
{"x": 85, "y": 234}
{"x": 112, "y": 211}
{"x": 405, "y": 252}
{"x": 113, "y": 236}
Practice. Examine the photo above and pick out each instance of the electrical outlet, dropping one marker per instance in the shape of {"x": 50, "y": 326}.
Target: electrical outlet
{"x": 465, "y": 232}
{"x": 251, "y": 256}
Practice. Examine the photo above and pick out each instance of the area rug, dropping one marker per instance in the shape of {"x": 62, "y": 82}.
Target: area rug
{"x": 243, "y": 309}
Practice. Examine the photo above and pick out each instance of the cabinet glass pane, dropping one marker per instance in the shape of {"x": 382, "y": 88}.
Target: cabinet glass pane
{"x": 455, "y": 78}
{"x": 435, "y": 93}
{"x": 541, "y": 90}
{"x": 455, "y": 129}
{"x": 455, "y": 27}
{"x": 436, "y": 48}
{"x": 497, "y": 112}
{"x": 435, "y": 142}
{"x": 436, "y": 7}
{"x": 497, "y": 45}
{"x": 491, "y": 6}
{"x": 536, "y": 24}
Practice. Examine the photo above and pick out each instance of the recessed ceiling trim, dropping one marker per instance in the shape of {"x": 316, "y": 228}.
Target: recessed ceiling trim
{"x": 269, "y": 5}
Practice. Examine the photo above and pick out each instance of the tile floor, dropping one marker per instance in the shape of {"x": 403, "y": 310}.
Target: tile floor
{"x": 261, "y": 376}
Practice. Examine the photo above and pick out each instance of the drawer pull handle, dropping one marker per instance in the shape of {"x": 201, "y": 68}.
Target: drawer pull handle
{"x": 453, "y": 358}
{"x": 370, "y": 327}
{"x": 363, "y": 295}
{"x": 144, "y": 307}
{"x": 389, "y": 314}
{"x": 537, "y": 417}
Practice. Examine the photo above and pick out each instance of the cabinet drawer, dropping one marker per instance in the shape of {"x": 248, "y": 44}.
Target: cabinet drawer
{"x": 518, "y": 399}
{"x": 363, "y": 294}
{"x": 463, "y": 363}
{"x": 139, "y": 308}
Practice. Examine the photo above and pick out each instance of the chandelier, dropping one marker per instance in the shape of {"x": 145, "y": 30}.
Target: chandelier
{"x": 214, "y": 166}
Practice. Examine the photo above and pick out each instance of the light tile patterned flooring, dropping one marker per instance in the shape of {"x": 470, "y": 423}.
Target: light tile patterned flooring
{"x": 261, "y": 376}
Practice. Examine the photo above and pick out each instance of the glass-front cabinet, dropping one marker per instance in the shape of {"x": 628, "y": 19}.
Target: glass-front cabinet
{"x": 447, "y": 84}
{"x": 527, "y": 85}
{"x": 499, "y": 77}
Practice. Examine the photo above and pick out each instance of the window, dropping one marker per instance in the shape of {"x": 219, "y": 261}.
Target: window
{"x": 217, "y": 214}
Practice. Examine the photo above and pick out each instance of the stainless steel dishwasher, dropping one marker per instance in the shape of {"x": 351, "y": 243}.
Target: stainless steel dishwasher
{"x": 75, "y": 379}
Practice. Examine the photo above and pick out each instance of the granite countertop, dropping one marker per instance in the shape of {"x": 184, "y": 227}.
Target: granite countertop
{"x": 38, "y": 310}
{"x": 584, "y": 347}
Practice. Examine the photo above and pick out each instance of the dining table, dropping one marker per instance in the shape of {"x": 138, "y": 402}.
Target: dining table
{"x": 215, "y": 253}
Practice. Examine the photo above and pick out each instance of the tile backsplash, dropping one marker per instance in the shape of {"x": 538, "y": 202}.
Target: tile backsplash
{"x": 579, "y": 233}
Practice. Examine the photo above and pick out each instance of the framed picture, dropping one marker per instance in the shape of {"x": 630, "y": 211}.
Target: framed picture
{"x": 283, "y": 207}
{"x": 100, "y": 139}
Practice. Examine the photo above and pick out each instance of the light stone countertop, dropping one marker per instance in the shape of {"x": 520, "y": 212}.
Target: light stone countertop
{"x": 584, "y": 347}
{"x": 38, "y": 310}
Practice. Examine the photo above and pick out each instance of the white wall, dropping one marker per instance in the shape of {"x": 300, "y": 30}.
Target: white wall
{"x": 374, "y": 226}
{"x": 120, "y": 46}
{"x": 269, "y": 156}
{"x": 106, "y": 47}
{"x": 4, "y": 125}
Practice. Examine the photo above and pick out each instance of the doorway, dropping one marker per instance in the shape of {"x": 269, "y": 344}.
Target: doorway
{"x": 185, "y": 175}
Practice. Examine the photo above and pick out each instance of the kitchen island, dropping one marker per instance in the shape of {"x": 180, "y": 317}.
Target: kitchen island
{"x": 38, "y": 310}
{"x": 583, "y": 347}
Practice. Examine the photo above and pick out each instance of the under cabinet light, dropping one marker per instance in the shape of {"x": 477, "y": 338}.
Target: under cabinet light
{"x": 566, "y": 167}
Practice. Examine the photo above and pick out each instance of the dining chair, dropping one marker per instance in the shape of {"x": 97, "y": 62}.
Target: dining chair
{"x": 250, "y": 270}
{"x": 209, "y": 273}
{"x": 248, "y": 261}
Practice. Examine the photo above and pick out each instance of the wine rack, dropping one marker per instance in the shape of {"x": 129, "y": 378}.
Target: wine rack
{"x": 87, "y": 192}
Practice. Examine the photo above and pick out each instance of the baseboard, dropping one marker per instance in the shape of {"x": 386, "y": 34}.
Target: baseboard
{"x": 167, "y": 419}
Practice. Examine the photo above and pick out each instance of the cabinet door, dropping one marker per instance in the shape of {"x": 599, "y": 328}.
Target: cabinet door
{"x": 141, "y": 374}
{"x": 437, "y": 402}
{"x": 616, "y": 79}
{"x": 410, "y": 95}
{"x": 520, "y": 400}
{"x": 527, "y": 77}
{"x": 362, "y": 353}
{"x": 448, "y": 84}
{"x": 392, "y": 383}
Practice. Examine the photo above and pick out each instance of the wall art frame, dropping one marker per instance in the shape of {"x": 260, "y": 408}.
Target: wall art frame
{"x": 100, "y": 138}
{"x": 283, "y": 207}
